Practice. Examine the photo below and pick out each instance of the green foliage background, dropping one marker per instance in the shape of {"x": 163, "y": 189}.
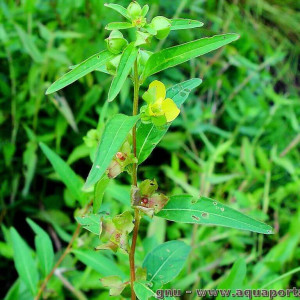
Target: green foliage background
{"x": 231, "y": 142}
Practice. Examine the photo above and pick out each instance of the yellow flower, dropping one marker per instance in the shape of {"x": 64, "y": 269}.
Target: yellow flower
{"x": 159, "y": 109}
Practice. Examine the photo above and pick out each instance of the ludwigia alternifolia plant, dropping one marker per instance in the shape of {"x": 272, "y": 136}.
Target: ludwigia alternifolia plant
{"x": 127, "y": 141}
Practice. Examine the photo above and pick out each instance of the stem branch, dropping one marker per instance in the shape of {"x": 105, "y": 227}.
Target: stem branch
{"x": 60, "y": 260}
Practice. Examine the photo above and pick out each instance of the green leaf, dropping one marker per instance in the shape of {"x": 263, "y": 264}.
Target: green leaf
{"x": 179, "y": 24}
{"x": 99, "y": 193}
{"x": 165, "y": 262}
{"x": 149, "y": 135}
{"x": 118, "y": 8}
{"x": 173, "y": 56}
{"x": 66, "y": 174}
{"x": 236, "y": 278}
{"x": 126, "y": 63}
{"x": 63, "y": 107}
{"x": 44, "y": 247}
{"x": 24, "y": 262}
{"x": 183, "y": 209}
{"x": 101, "y": 69}
{"x": 118, "y": 25}
{"x": 29, "y": 45}
{"x": 91, "y": 223}
{"x": 142, "y": 291}
{"x": 13, "y": 292}
{"x": 91, "y": 64}
{"x": 98, "y": 262}
{"x": 112, "y": 139}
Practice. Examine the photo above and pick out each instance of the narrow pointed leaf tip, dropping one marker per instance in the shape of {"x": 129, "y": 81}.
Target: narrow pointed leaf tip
{"x": 179, "y": 24}
{"x": 183, "y": 209}
{"x": 89, "y": 65}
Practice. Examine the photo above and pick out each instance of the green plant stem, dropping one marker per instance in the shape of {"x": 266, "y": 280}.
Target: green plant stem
{"x": 134, "y": 181}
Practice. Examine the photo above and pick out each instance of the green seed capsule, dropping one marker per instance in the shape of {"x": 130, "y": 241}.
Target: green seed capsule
{"x": 162, "y": 25}
{"x": 134, "y": 10}
{"x": 116, "y": 42}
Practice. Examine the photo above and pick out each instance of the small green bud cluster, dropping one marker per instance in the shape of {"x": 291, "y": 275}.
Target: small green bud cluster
{"x": 159, "y": 27}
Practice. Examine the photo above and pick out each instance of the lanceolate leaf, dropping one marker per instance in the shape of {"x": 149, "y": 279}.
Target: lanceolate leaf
{"x": 118, "y": 25}
{"x": 178, "y": 24}
{"x": 173, "y": 56}
{"x": 165, "y": 262}
{"x": 66, "y": 174}
{"x": 118, "y": 8}
{"x": 24, "y": 262}
{"x": 126, "y": 63}
{"x": 148, "y": 135}
{"x": 87, "y": 66}
{"x": 183, "y": 209}
{"x": 44, "y": 248}
{"x": 235, "y": 279}
{"x": 98, "y": 262}
{"x": 112, "y": 139}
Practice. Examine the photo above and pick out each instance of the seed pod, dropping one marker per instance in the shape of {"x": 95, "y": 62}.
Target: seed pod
{"x": 116, "y": 42}
{"x": 144, "y": 201}
{"x": 162, "y": 25}
{"x": 113, "y": 64}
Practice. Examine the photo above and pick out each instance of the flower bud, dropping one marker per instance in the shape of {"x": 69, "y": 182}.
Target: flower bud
{"x": 134, "y": 10}
{"x": 115, "y": 42}
{"x": 162, "y": 25}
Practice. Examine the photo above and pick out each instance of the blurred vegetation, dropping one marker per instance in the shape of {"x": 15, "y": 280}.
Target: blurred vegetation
{"x": 237, "y": 139}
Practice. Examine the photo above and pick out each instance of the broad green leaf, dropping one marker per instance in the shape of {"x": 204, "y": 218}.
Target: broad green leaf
{"x": 102, "y": 69}
{"x": 13, "y": 292}
{"x": 173, "y": 56}
{"x": 118, "y": 26}
{"x": 118, "y": 8}
{"x": 98, "y": 262}
{"x": 183, "y": 209}
{"x": 236, "y": 278}
{"x": 91, "y": 64}
{"x": 29, "y": 45}
{"x": 142, "y": 291}
{"x": 178, "y": 24}
{"x": 99, "y": 193}
{"x": 44, "y": 248}
{"x": 112, "y": 139}
{"x": 24, "y": 262}
{"x": 148, "y": 135}
{"x": 126, "y": 63}
{"x": 66, "y": 174}
{"x": 90, "y": 222}
{"x": 165, "y": 262}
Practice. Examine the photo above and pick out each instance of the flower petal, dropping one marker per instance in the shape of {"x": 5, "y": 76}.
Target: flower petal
{"x": 160, "y": 89}
{"x": 170, "y": 109}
